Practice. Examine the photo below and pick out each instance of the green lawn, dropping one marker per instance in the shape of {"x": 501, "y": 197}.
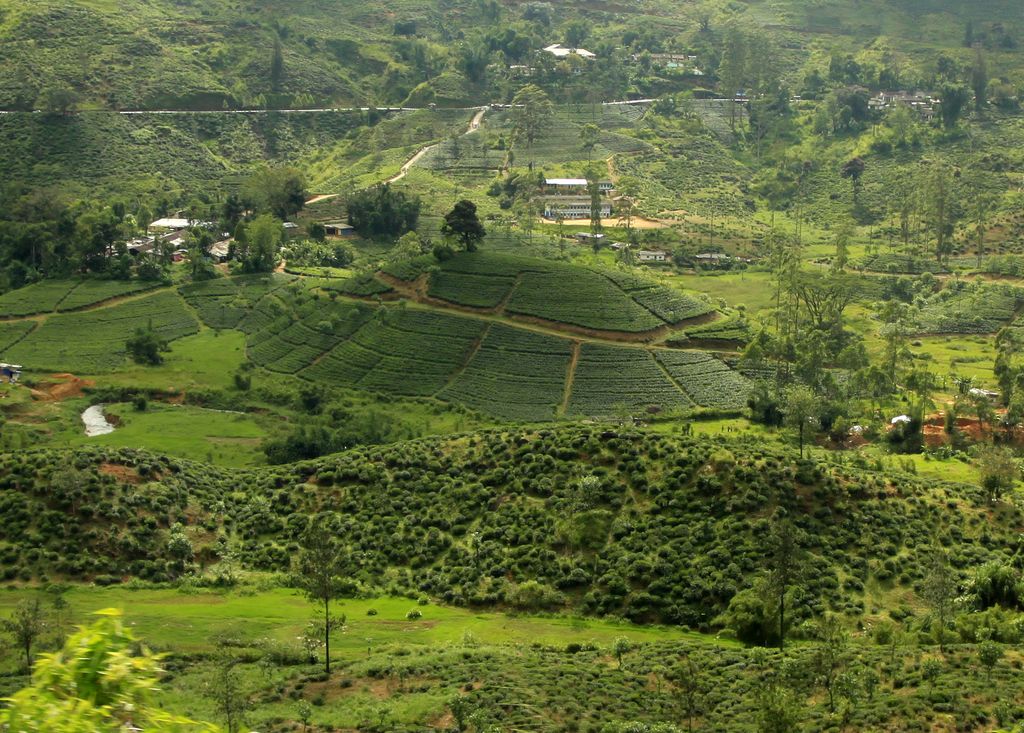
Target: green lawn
{"x": 227, "y": 439}
{"x": 206, "y": 359}
{"x": 751, "y": 289}
{"x": 189, "y": 622}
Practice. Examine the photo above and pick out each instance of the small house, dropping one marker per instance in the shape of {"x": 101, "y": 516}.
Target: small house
{"x": 339, "y": 229}
{"x": 141, "y": 245}
{"x": 589, "y": 237}
{"x": 565, "y": 185}
{"x": 560, "y": 52}
{"x": 176, "y": 224}
{"x": 979, "y": 393}
{"x": 575, "y": 185}
{"x": 221, "y": 251}
{"x": 10, "y": 372}
{"x": 651, "y": 255}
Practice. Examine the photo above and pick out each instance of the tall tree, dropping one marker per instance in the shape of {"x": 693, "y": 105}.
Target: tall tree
{"x": 463, "y": 224}
{"x": 897, "y": 325}
{"x": 939, "y": 205}
{"x": 801, "y": 409}
{"x": 951, "y": 105}
{"x": 279, "y": 190}
{"x": 691, "y": 689}
{"x": 594, "y": 191}
{"x": 226, "y": 689}
{"x": 277, "y": 66}
{"x": 843, "y": 237}
{"x": 939, "y": 591}
{"x": 979, "y": 80}
{"x": 383, "y": 212}
{"x": 265, "y": 237}
{"x": 785, "y": 564}
{"x": 853, "y": 169}
{"x": 998, "y": 470}
{"x": 321, "y": 568}
{"x": 589, "y": 135}
{"x": 829, "y": 656}
{"x": 26, "y": 625}
{"x": 531, "y": 114}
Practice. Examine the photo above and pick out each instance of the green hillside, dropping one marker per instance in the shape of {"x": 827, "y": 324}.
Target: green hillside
{"x": 598, "y": 517}
{"x": 484, "y": 367}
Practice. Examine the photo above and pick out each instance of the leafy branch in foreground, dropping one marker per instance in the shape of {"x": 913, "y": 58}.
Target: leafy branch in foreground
{"x": 100, "y": 681}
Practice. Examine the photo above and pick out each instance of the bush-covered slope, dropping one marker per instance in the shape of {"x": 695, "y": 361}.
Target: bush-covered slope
{"x": 605, "y": 522}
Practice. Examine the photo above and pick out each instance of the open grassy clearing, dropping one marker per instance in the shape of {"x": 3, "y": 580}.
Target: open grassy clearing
{"x": 190, "y": 621}
{"x": 195, "y": 433}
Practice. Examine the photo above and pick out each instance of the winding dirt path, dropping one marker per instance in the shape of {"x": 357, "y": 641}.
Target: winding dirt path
{"x": 474, "y": 125}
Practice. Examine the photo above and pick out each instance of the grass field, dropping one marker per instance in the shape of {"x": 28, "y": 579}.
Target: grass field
{"x": 195, "y": 433}
{"x": 188, "y": 622}
{"x": 208, "y": 359}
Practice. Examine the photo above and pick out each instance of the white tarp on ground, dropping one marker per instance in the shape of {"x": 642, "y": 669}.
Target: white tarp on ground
{"x": 96, "y": 422}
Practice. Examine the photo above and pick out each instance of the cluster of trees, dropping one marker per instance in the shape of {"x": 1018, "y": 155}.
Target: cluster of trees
{"x": 45, "y": 233}
{"x": 382, "y": 211}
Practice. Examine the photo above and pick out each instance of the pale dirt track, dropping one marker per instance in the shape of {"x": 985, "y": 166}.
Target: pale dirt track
{"x": 474, "y": 125}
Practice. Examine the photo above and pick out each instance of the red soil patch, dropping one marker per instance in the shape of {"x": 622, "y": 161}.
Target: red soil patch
{"x": 934, "y": 429}
{"x": 61, "y": 387}
{"x": 124, "y": 474}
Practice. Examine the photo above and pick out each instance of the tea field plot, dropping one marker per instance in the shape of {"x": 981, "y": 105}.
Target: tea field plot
{"x": 405, "y": 352}
{"x": 588, "y": 298}
{"x": 288, "y": 345}
{"x": 608, "y": 378}
{"x": 13, "y": 332}
{"x": 91, "y": 292}
{"x": 225, "y": 302}
{"x": 94, "y": 341}
{"x": 479, "y": 291}
{"x": 971, "y": 308}
{"x": 671, "y": 306}
{"x": 707, "y": 380}
{"x": 41, "y": 297}
{"x": 516, "y": 375}
{"x": 729, "y": 329}
{"x": 581, "y": 298}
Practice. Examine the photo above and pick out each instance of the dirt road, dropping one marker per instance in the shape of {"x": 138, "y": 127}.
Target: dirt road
{"x": 474, "y": 125}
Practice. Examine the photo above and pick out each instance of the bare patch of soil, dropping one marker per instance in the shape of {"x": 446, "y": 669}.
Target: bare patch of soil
{"x": 124, "y": 474}
{"x": 60, "y": 387}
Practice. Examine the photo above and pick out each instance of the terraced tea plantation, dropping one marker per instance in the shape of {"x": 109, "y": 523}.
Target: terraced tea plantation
{"x": 66, "y": 295}
{"x": 498, "y": 369}
{"x": 516, "y": 375}
{"x": 224, "y": 302}
{"x": 94, "y": 341}
{"x": 609, "y": 378}
{"x": 705, "y": 379}
{"x": 971, "y": 308}
{"x": 407, "y": 352}
{"x": 12, "y": 332}
{"x": 599, "y": 300}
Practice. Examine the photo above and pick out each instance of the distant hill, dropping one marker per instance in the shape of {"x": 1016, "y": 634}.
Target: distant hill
{"x": 209, "y": 55}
